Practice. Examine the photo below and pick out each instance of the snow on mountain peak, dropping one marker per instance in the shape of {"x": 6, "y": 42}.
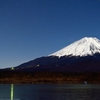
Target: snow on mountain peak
{"x": 83, "y": 47}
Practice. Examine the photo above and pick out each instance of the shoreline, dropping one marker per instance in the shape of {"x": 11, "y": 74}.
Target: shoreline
{"x": 20, "y": 77}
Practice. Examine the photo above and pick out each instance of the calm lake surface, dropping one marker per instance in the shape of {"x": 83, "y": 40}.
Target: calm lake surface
{"x": 50, "y": 92}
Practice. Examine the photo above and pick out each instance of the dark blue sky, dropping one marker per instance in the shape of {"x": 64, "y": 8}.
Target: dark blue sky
{"x": 35, "y": 28}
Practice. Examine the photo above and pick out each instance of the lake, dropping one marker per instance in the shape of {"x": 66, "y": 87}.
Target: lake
{"x": 50, "y": 92}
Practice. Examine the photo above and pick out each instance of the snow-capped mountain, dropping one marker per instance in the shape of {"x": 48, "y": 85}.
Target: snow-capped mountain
{"x": 80, "y": 56}
{"x": 83, "y": 47}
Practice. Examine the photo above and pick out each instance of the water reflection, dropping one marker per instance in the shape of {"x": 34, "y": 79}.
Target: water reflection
{"x": 49, "y": 92}
{"x": 12, "y": 92}
{"x": 7, "y": 92}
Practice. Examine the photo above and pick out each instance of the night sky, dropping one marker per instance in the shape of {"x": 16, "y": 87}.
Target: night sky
{"x": 33, "y": 28}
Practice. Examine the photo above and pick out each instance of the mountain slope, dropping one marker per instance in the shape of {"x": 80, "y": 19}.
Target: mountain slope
{"x": 85, "y": 46}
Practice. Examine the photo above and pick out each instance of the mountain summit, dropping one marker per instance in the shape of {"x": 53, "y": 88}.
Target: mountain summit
{"x": 83, "y": 47}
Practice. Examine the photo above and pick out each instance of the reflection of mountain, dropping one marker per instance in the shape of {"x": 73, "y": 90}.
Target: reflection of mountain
{"x": 82, "y": 55}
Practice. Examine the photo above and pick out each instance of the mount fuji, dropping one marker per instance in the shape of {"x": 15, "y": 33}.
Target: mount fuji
{"x": 80, "y": 56}
{"x": 85, "y": 46}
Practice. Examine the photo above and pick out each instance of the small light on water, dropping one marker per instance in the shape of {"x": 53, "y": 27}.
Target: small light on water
{"x": 85, "y": 82}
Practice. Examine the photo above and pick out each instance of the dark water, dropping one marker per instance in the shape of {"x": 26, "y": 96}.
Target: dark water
{"x": 51, "y": 92}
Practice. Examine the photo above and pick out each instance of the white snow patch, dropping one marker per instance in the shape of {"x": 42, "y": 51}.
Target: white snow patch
{"x": 83, "y": 47}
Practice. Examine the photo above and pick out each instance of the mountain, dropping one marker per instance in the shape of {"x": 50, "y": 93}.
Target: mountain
{"x": 85, "y": 46}
{"x": 80, "y": 56}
